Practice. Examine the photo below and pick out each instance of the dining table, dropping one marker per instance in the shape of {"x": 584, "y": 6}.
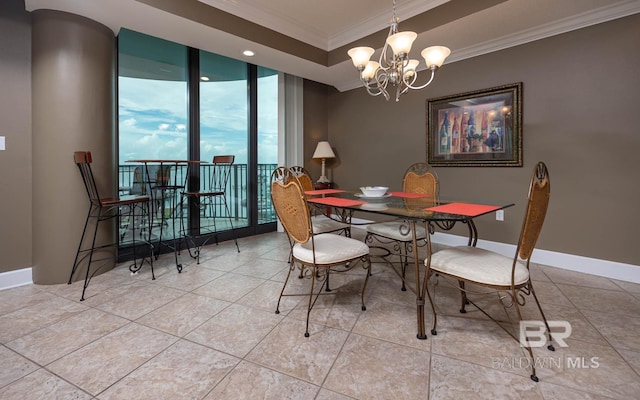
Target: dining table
{"x": 163, "y": 180}
{"x": 413, "y": 209}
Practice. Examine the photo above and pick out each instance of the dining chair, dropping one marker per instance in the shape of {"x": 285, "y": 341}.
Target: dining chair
{"x": 316, "y": 254}
{"x": 471, "y": 269}
{"x": 107, "y": 209}
{"x": 419, "y": 178}
{"x": 211, "y": 201}
{"x": 321, "y": 222}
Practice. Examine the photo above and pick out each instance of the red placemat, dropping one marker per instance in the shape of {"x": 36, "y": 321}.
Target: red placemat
{"x": 467, "y": 209}
{"x": 409, "y": 195}
{"x": 336, "y": 201}
{"x": 322, "y": 191}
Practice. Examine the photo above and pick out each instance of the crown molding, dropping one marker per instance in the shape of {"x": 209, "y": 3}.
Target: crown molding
{"x": 270, "y": 19}
{"x": 564, "y": 25}
{"x": 274, "y": 20}
{"x": 380, "y": 22}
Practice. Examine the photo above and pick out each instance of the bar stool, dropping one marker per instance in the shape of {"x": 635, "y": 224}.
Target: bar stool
{"x": 103, "y": 209}
{"x": 211, "y": 201}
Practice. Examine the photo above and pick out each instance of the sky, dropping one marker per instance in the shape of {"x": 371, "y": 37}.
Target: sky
{"x": 153, "y": 119}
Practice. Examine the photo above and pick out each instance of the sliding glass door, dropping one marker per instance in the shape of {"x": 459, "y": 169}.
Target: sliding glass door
{"x": 224, "y": 126}
{"x": 182, "y": 103}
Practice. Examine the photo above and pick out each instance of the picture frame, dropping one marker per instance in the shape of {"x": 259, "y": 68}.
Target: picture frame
{"x": 479, "y": 128}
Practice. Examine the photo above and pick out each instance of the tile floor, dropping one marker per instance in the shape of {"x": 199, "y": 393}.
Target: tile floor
{"x": 211, "y": 333}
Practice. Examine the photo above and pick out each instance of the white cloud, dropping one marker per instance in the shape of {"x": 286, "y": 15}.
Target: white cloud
{"x": 153, "y": 119}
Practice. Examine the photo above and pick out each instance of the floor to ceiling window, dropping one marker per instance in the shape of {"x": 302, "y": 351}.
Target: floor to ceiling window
{"x": 152, "y": 98}
{"x": 231, "y": 109}
{"x": 267, "y": 140}
{"x": 224, "y": 125}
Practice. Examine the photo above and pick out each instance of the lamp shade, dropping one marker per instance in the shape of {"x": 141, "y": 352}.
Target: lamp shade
{"x": 434, "y": 56}
{"x": 410, "y": 69}
{"x": 401, "y": 42}
{"x": 323, "y": 150}
{"x": 370, "y": 70}
{"x": 360, "y": 56}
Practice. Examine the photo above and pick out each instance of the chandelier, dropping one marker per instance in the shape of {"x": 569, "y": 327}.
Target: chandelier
{"x": 394, "y": 69}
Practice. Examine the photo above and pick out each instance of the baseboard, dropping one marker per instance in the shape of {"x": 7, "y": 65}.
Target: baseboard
{"x": 19, "y": 277}
{"x": 571, "y": 262}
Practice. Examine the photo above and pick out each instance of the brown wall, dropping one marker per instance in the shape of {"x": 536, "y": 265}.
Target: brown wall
{"x": 15, "y": 125}
{"x": 49, "y": 107}
{"x": 580, "y": 117}
{"x": 315, "y": 125}
{"x": 73, "y": 86}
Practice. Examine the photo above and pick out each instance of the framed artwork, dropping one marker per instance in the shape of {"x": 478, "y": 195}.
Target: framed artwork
{"x": 479, "y": 128}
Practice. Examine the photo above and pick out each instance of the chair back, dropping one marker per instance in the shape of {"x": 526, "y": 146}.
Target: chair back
{"x": 139, "y": 185}
{"x": 163, "y": 175}
{"x": 147, "y": 179}
{"x": 420, "y": 178}
{"x": 303, "y": 177}
{"x": 221, "y": 172}
{"x": 290, "y": 204}
{"x": 83, "y": 161}
{"x": 539, "y": 192}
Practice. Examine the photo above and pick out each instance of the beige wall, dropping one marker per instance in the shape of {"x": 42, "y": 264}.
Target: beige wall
{"x": 580, "y": 117}
{"x": 15, "y": 126}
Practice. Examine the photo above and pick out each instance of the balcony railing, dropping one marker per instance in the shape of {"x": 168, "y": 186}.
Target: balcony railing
{"x": 130, "y": 181}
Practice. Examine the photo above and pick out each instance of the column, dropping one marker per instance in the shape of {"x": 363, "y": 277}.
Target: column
{"x": 73, "y": 97}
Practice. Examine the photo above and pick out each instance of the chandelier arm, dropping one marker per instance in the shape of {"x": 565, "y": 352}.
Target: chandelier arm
{"x": 414, "y": 77}
{"x": 400, "y": 91}
{"x": 382, "y": 78}
{"x": 405, "y": 89}
{"x": 378, "y": 93}
{"x": 433, "y": 74}
{"x": 371, "y": 88}
{"x": 383, "y": 60}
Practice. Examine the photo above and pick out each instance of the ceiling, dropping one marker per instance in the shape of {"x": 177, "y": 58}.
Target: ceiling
{"x": 326, "y": 24}
{"x": 309, "y": 38}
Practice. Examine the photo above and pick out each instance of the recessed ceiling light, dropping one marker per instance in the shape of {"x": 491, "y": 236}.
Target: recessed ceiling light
{"x": 204, "y": 78}
{"x": 248, "y": 53}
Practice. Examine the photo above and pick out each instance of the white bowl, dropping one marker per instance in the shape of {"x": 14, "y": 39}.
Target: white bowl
{"x": 374, "y": 191}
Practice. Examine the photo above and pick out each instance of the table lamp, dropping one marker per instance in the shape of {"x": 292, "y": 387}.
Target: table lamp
{"x": 323, "y": 151}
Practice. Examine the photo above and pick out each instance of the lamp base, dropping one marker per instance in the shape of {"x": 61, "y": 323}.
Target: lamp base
{"x": 322, "y": 185}
{"x": 323, "y": 179}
